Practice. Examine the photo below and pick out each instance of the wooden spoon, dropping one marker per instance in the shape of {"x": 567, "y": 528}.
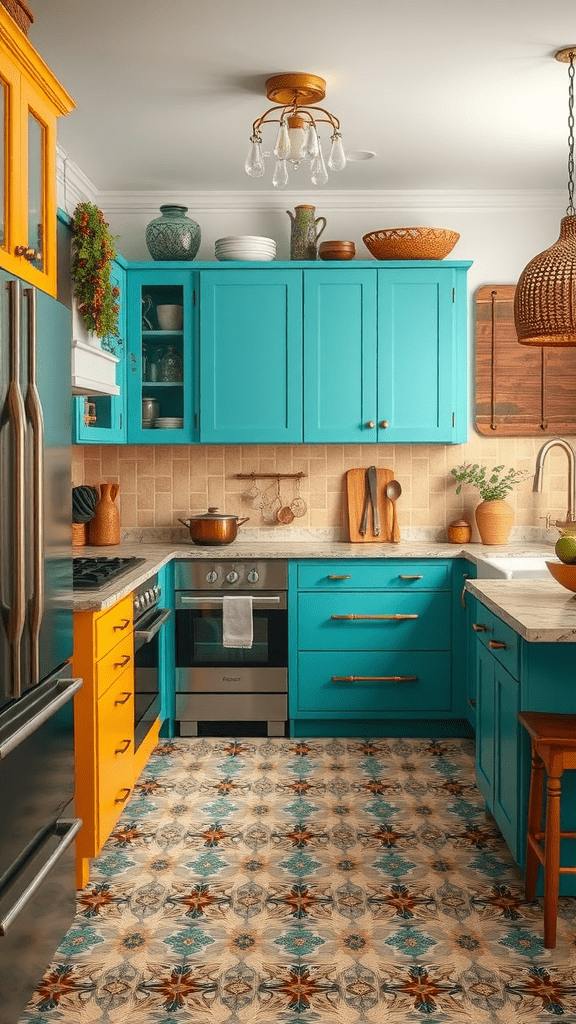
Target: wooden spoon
{"x": 393, "y": 492}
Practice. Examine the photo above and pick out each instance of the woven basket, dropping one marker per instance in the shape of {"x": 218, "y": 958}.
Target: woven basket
{"x": 22, "y": 14}
{"x": 410, "y": 243}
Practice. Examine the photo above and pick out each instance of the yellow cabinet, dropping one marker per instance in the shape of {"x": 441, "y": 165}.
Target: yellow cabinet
{"x": 31, "y": 100}
{"x": 103, "y": 725}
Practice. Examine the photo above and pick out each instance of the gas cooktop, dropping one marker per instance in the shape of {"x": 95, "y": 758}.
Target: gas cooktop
{"x": 95, "y": 573}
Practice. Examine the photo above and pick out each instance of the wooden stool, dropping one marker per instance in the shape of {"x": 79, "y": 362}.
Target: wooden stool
{"x": 553, "y": 739}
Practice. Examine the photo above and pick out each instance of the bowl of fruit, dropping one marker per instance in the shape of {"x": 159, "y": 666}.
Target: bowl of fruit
{"x": 564, "y": 571}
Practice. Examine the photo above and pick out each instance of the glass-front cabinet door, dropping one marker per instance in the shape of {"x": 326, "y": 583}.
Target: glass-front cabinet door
{"x": 31, "y": 100}
{"x": 161, "y": 374}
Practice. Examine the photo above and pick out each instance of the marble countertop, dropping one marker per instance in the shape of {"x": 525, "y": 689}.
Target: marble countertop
{"x": 159, "y": 553}
{"x": 540, "y": 611}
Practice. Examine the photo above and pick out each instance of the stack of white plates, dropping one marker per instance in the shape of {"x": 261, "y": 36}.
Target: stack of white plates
{"x": 245, "y": 247}
{"x": 169, "y": 422}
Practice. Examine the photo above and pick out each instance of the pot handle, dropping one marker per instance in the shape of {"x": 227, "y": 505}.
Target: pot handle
{"x": 240, "y": 521}
{"x": 185, "y": 522}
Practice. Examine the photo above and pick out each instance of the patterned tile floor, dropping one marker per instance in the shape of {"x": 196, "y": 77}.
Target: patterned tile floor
{"x": 324, "y": 881}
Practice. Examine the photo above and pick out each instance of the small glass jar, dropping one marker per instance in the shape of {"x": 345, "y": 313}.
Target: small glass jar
{"x": 170, "y": 367}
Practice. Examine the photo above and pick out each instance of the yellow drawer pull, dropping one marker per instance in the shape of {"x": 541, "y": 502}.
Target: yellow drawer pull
{"x": 374, "y": 679}
{"x": 125, "y": 701}
{"x": 121, "y": 664}
{"x": 125, "y": 624}
{"x": 397, "y": 617}
{"x": 497, "y": 644}
{"x": 334, "y": 577}
{"x": 122, "y": 750}
{"x": 122, "y": 799}
{"x": 411, "y": 577}
{"x": 479, "y": 628}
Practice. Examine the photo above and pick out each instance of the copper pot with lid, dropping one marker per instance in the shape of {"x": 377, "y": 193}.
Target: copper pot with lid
{"x": 213, "y": 527}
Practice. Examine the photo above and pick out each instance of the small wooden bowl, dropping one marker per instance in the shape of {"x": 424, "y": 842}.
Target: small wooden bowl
{"x": 335, "y": 250}
{"x": 563, "y": 574}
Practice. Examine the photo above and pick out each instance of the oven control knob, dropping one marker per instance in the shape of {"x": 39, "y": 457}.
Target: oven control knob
{"x": 137, "y": 603}
{"x": 232, "y": 576}
{"x": 155, "y": 592}
{"x": 253, "y": 576}
{"x": 211, "y": 577}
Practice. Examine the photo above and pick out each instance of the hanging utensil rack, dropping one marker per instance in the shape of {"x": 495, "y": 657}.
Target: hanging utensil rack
{"x": 270, "y": 476}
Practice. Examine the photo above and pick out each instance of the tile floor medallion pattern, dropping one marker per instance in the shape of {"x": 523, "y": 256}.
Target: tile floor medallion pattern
{"x": 275, "y": 881}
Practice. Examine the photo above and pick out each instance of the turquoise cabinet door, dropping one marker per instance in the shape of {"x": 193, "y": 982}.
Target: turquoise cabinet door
{"x": 162, "y": 354}
{"x": 101, "y": 419}
{"x": 422, "y": 362}
{"x": 250, "y": 356}
{"x": 340, "y": 392}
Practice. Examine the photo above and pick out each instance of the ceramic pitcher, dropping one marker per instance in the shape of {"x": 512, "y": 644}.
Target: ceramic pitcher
{"x": 304, "y": 234}
{"x": 104, "y": 528}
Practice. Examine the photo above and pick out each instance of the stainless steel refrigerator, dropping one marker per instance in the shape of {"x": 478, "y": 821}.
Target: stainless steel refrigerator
{"x": 37, "y": 821}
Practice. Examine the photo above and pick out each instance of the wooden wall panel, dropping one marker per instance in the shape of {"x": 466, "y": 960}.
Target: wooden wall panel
{"x": 520, "y": 390}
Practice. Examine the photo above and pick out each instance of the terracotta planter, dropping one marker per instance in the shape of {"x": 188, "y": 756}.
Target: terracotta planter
{"x": 494, "y": 520}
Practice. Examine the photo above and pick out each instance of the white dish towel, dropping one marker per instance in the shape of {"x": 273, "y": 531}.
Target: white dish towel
{"x": 237, "y": 628}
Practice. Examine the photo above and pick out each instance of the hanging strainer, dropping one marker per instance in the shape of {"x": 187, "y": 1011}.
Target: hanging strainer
{"x": 298, "y": 505}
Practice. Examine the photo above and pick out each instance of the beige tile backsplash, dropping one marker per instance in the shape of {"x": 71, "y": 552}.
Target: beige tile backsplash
{"x": 159, "y": 484}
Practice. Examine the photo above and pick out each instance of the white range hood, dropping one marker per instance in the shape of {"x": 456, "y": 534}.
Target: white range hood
{"x": 93, "y": 369}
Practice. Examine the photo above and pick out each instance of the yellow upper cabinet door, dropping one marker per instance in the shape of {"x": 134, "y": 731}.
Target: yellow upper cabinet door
{"x": 31, "y": 100}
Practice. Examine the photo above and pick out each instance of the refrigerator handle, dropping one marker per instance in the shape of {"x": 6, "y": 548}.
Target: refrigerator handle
{"x": 17, "y": 419}
{"x": 36, "y": 418}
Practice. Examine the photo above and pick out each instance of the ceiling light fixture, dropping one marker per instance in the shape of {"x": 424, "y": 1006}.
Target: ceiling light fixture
{"x": 297, "y": 140}
{"x": 545, "y": 297}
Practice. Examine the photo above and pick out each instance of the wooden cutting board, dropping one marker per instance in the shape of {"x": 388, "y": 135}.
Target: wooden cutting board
{"x": 355, "y": 488}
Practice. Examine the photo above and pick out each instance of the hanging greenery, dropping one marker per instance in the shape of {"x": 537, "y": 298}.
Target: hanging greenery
{"x": 93, "y": 250}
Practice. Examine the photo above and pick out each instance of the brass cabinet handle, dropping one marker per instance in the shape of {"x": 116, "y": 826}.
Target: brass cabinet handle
{"x": 472, "y": 702}
{"x": 479, "y": 628}
{"x": 332, "y": 576}
{"x": 405, "y": 577}
{"x": 28, "y": 253}
{"x": 463, "y": 594}
{"x": 383, "y": 424}
{"x": 122, "y": 750}
{"x": 370, "y": 425}
{"x": 398, "y": 617}
{"x": 496, "y": 644}
{"x": 122, "y": 799}
{"x": 126, "y": 623}
{"x": 121, "y": 664}
{"x": 125, "y": 701}
{"x": 374, "y": 679}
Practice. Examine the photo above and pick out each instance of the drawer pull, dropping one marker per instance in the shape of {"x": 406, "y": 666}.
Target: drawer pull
{"x": 472, "y": 702}
{"x": 125, "y": 701}
{"x": 479, "y": 628}
{"x": 397, "y": 617}
{"x": 463, "y": 594}
{"x": 497, "y": 645}
{"x": 122, "y": 799}
{"x": 411, "y": 577}
{"x": 374, "y": 679}
{"x": 121, "y": 664}
{"x": 334, "y": 577}
{"x": 125, "y": 624}
{"x": 122, "y": 750}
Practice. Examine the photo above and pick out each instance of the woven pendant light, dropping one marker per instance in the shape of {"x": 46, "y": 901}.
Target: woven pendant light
{"x": 545, "y": 298}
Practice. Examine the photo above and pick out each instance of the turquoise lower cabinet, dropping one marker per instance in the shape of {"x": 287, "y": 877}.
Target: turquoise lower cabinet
{"x": 102, "y": 419}
{"x": 385, "y": 354}
{"x": 371, "y": 648}
{"x": 251, "y": 356}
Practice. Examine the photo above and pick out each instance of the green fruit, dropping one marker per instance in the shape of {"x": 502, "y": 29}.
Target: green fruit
{"x": 566, "y": 549}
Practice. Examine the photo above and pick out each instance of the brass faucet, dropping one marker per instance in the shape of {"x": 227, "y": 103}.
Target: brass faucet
{"x": 558, "y": 442}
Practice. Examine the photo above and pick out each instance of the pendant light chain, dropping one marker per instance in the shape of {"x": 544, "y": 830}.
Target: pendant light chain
{"x": 570, "y": 208}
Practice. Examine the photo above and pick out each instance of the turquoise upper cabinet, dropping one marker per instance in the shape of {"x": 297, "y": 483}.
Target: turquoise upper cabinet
{"x": 386, "y": 354}
{"x": 162, "y": 355}
{"x": 251, "y": 356}
{"x": 340, "y": 355}
{"x": 101, "y": 419}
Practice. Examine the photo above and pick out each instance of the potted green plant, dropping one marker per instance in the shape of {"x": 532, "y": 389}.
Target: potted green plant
{"x": 494, "y": 516}
{"x": 93, "y": 249}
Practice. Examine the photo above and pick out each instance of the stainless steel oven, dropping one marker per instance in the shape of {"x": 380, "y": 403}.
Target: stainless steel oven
{"x": 217, "y": 684}
{"x": 149, "y": 620}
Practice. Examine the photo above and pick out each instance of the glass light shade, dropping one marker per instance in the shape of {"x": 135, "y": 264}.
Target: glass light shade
{"x": 318, "y": 172}
{"x": 545, "y": 297}
{"x": 282, "y": 144}
{"x": 310, "y": 149}
{"x": 280, "y": 176}
{"x": 254, "y": 165}
{"x": 337, "y": 158}
{"x": 297, "y": 138}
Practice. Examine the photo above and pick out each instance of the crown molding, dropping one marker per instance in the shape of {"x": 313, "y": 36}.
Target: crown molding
{"x": 72, "y": 184}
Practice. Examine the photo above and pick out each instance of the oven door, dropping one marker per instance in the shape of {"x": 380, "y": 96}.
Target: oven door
{"x": 199, "y": 633}
{"x": 147, "y": 634}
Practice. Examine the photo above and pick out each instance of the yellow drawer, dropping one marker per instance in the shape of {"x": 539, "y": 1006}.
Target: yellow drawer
{"x": 498, "y": 637}
{"x": 115, "y": 756}
{"x": 120, "y": 659}
{"x": 112, "y": 625}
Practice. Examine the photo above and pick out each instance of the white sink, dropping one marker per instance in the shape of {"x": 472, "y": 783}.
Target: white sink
{"x": 514, "y": 567}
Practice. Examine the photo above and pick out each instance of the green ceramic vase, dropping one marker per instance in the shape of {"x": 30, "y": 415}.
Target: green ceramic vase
{"x": 173, "y": 235}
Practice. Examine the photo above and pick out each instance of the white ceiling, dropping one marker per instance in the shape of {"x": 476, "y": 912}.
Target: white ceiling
{"x": 451, "y": 94}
